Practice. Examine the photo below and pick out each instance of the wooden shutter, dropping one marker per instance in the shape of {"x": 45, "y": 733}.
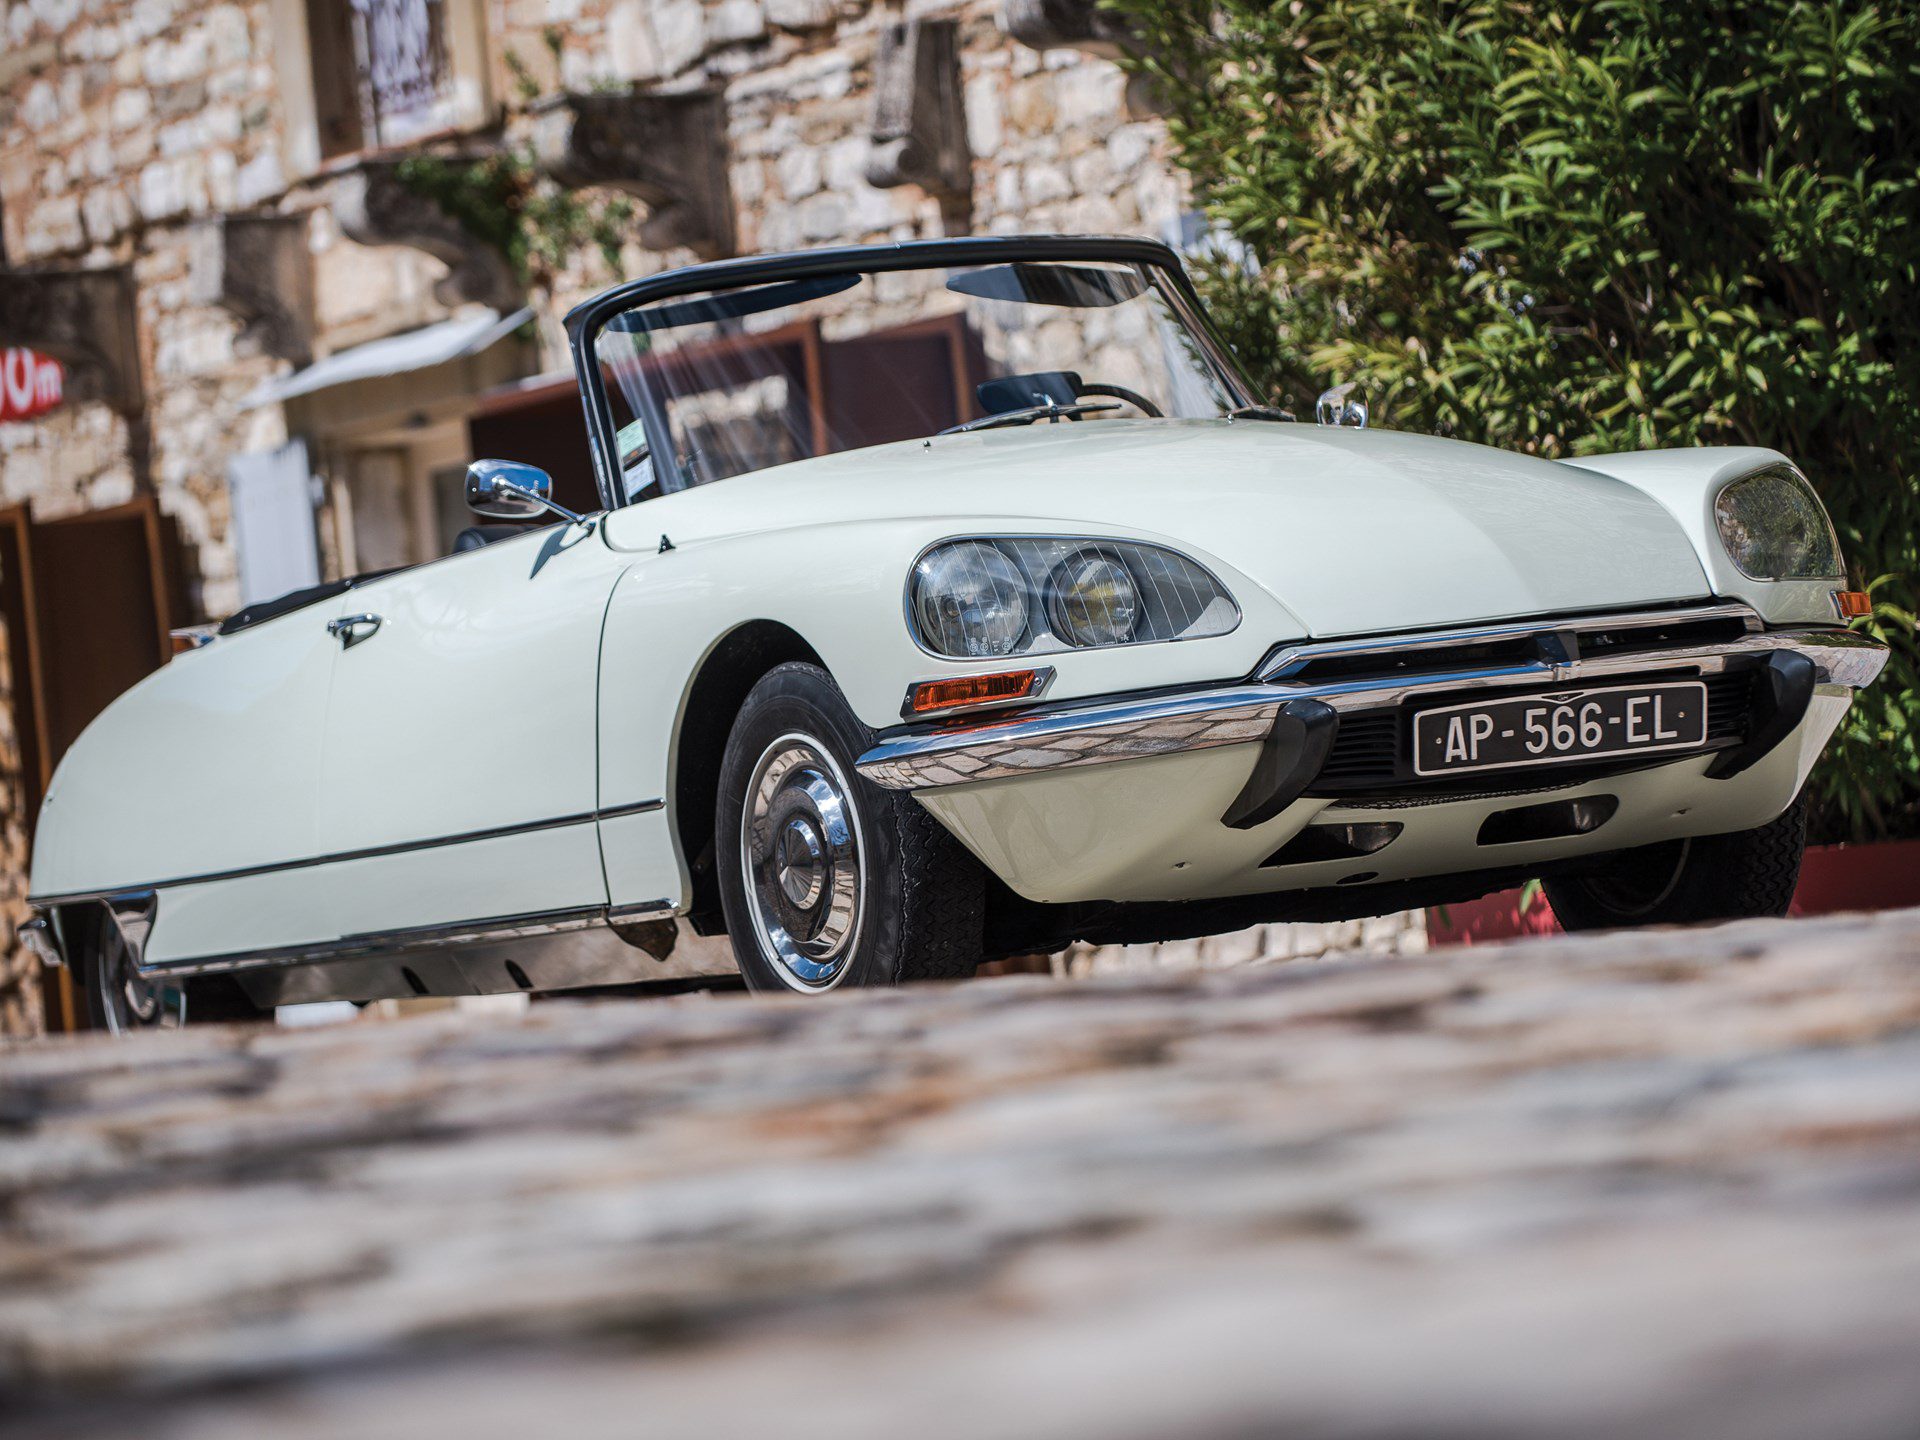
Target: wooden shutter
{"x": 336, "y": 72}
{"x": 88, "y": 602}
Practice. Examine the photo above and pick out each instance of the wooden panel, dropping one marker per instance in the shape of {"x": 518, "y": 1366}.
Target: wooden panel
{"x": 102, "y": 608}
{"x": 336, "y": 95}
{"x": 23, "y": 658}
{"x": 88, "y": 601}
{"x": 28, "y": 699}
{"x": 897, "y": 384}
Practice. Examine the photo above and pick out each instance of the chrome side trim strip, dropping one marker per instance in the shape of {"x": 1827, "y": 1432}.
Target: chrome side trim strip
{"x": 374, "y": 852}
{"x": 416, "y": 938}
{"x": 1100, "y": 732}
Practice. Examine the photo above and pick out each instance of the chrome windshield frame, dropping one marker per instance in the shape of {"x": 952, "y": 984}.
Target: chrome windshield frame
{"x": 585, "y": 320}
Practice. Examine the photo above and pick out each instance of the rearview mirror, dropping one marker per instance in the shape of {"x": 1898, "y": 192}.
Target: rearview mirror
{"x": 509, "y": 490}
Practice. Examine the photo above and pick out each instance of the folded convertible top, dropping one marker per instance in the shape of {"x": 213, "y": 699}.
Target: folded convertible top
{"x": 264, "y": 610}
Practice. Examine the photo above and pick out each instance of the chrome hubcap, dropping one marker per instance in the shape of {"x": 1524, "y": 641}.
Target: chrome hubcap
{"x": 800, "y": 853}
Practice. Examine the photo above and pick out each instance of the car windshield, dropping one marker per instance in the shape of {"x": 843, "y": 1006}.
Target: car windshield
{"x": 773, "y": 371}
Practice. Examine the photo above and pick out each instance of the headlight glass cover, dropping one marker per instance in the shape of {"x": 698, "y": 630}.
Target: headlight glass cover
{"x": 1064, "y": 592}
{"x": 1774, "y": 527}
{"x": 1092, "y": 600}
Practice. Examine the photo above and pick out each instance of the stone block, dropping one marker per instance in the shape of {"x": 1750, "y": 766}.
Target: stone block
{"x": 823, "y": 217}
{"x": 919, "y": 130}
{"x": 667, "y": 150}
{"x": 259, "y": 180}
{"x": 107, "y": 210}
{"x": 128, "y": 108}
{"x": 798, "y": 171}
{"x": 983, "y": 100}
{"x": 162, "y": 189}
{"x": 259, "y": 268}
{"x": 799, "y": 14}
{"x": 734, "y": 22}
{"x": 55, "y": 226}
{"x": 373, "y": 207}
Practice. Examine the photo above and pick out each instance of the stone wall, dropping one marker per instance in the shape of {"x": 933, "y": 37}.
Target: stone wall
{"x": 1054, "y": 146}
{"x": 128, "y": 128}
{"x": 21, "y": 1006}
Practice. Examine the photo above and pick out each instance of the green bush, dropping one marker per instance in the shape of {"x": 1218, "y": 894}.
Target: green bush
{"x": 1573, "y": 228}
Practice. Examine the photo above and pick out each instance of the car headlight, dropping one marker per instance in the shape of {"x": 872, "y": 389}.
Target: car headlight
{"x": 1774, "y": 527}
{"x": 970, "y": 600}
{"x": 1092, "y": 600}
{"x": 1031, "y": 595}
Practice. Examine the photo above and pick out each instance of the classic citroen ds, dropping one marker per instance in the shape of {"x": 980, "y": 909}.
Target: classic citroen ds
{"x": 952, "y": 600}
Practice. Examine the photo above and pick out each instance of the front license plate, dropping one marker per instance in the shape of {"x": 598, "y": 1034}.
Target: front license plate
{"x": 1567, "y": 725}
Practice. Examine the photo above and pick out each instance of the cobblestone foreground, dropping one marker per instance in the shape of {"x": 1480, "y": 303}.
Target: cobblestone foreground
{"x": 1645, "y": 1185}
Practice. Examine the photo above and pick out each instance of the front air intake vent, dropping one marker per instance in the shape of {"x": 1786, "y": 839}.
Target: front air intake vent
{"x": 1548, "y": 642}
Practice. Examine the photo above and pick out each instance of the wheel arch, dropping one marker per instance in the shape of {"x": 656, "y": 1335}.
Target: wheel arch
{"x": 718, "y": 689}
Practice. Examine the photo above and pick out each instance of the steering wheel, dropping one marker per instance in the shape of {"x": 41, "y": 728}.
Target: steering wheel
{"x": 1048, "y": 395}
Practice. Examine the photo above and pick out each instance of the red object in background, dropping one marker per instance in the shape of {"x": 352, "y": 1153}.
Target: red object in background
{"x": 1884, "y": 876}
{"x": 30, "y": 383}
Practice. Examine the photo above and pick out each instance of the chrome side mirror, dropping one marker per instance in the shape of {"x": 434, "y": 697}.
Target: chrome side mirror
{"x": 1340, "y": 406}
{"x": 509, "y": 490}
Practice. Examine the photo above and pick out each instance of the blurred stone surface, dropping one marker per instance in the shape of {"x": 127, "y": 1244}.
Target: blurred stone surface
{"x": 1659, "y": 1184}
{"x": 1401, "y": 933}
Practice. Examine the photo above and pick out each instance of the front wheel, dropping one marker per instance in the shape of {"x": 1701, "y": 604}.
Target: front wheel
{"x": 122, "y": 1001}
{"x": 826, "y": 879}
{"x": 119, "y": 999}
{"x": 1686, "y": 882}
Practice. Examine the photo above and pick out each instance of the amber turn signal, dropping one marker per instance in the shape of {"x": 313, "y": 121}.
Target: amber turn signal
{"x": 1852, "y": 604}
{"x": 963, "y": 690}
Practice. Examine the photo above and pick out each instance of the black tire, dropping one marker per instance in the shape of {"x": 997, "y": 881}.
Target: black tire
{"x": 920, "y": 895}
{"x": 1687, "y": 882}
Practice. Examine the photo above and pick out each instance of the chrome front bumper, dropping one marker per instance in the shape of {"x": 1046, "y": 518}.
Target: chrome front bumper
{"x": 1099, "y": 732}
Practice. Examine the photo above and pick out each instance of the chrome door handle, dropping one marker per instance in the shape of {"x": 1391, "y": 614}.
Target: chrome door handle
{"x": 348, "y": 629}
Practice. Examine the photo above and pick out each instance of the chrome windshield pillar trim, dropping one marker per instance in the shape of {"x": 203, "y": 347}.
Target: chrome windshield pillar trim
{"x": 1099, "y": 732}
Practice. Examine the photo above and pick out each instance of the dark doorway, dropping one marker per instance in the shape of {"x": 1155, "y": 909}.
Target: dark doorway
{"x": 88, "y": 601}
{"x": 539, "y": 424}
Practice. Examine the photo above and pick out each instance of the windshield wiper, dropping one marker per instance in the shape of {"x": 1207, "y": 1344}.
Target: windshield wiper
{"x": 1260, "y": 412}
{"x": 1049, "y": 411}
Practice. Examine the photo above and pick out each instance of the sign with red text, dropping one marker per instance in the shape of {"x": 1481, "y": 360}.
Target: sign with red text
{"x": 30, "y": 383}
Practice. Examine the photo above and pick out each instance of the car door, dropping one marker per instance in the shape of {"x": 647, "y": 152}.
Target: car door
{"x": 458, "y": 772}
{"x": 201, "y": 782}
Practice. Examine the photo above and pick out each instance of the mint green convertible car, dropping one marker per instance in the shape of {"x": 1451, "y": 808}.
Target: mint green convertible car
{"x": 951, "y": 600}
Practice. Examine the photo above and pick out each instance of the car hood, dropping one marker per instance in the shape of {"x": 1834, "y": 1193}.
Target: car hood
{"x": 1353, "y": 531}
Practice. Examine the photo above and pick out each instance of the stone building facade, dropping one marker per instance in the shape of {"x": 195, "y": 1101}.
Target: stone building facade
{"x": 204, "y": 214}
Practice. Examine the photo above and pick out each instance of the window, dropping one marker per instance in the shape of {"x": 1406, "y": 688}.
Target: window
{"x": 381, "y": 72}
{"x": 370, "y": 74}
